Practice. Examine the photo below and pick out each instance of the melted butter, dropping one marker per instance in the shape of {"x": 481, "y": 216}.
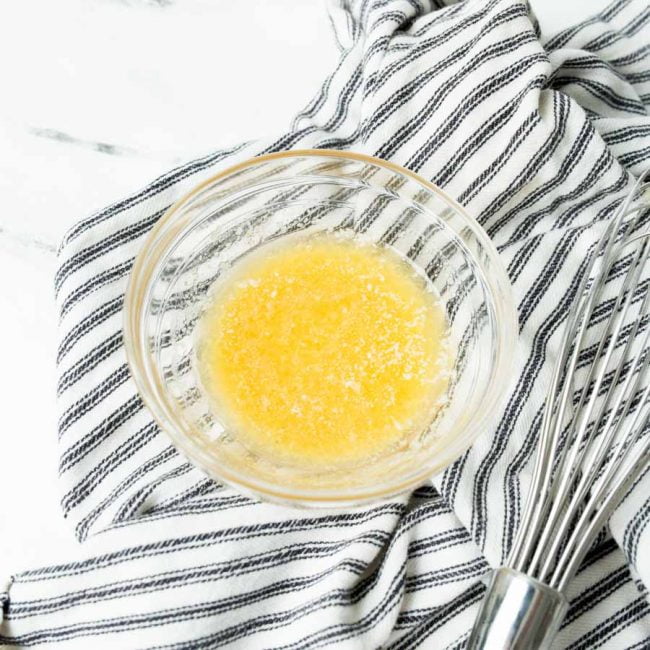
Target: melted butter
{"x": 324, "y": 350}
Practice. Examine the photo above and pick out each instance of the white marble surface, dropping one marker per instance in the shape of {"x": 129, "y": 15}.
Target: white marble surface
{"x": 99, "y": 97}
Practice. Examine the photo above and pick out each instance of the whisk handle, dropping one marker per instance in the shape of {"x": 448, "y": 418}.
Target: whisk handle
{"x": 517, "y": 613}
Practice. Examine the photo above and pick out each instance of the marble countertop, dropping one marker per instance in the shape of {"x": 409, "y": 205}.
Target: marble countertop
{"x": 101, "y": 96}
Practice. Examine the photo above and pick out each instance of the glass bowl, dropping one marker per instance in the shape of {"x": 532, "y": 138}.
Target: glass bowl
{"x": 313, "y": 191}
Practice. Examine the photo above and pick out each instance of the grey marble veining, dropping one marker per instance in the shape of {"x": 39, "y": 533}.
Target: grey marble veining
{"x": 100, "y": 147}
{"x": 31, "y": 241}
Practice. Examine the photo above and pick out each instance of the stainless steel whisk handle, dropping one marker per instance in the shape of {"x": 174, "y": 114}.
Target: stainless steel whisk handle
{"x": 517, "y": 613}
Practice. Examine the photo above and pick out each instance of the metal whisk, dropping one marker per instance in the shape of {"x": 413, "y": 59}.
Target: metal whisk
{"x": 594, "y": 440}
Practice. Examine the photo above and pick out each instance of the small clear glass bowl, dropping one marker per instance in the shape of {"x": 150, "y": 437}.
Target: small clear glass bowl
{"x": 271, "y": 196}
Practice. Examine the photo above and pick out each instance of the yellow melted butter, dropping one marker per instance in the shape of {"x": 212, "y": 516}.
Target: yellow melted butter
{"x": 324, "y": 350}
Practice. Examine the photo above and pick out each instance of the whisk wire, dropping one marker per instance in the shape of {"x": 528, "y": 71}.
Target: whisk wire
{"x": 534, "y": 509}
{"x": 613, "y": 489}
{"x": 571, "y": 495}
{"x": 601, "y": 485}
{"x": 565, "y": 485}
{"x": 554, "y": 415}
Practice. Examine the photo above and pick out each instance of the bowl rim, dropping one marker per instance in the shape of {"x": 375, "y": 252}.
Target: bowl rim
{"x": 504, "y": 312}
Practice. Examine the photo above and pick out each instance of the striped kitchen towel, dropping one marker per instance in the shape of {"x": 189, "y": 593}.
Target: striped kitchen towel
{"x": 540, "y": 139}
